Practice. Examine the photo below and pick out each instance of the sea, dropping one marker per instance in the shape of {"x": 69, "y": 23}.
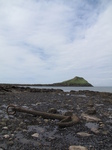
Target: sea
{"x": 68, "y": 88}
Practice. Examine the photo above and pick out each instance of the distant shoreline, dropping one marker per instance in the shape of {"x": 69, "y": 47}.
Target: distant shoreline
{"x": 9, "y": 84}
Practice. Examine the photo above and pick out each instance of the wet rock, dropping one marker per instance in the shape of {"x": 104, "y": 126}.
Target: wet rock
{"x": 90, "y": 118}
{"x": 35, "y": 135}
{"x": 83, "y": 134}
{"x": 77, "y": 148}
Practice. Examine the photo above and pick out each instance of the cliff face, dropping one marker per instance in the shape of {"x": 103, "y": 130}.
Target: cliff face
{"x": 76, "y": 81}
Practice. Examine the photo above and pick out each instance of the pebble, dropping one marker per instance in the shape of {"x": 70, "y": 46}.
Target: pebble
{"x": 46, "y": 120}
{"x": 102, "y": 125}
{"x": 12, "y": 135}
{"x": 6, "y": 136}
{"x": 10, "y": 143}
{"x": 109, "y": 122}
{"x": 90, "y": 104}
{"x": 105, "y": 132}
{"x": 35, "y": 135}
{"x": 83, "y": 134}
{"x": 3, "y": 123}
{"x": 77, "y": 148}
{"x": 95, "y": 130}
{"x": 38, "y": 103}
{"x": 5, "y": 128}
{"x": 90, "y": 118}
{"x": 91, "y": 111}
{"x": 24, "y": 130}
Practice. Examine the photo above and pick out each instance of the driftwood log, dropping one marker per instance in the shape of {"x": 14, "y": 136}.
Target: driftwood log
{"x": 65, "y": 121}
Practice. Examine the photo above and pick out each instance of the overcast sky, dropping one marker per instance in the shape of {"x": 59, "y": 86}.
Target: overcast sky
{"x": 48, "y": 41}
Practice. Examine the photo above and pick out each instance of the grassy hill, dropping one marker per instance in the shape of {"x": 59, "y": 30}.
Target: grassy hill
{"x": 76, "y": 81}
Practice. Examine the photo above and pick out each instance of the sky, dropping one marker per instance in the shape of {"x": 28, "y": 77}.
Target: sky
{"x": 49, "y": 41}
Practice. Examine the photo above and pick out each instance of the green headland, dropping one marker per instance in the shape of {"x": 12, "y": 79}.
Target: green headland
{"x": 76, "y": 81}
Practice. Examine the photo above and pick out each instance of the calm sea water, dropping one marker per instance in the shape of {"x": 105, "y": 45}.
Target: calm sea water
{"x": 68, "y": 89}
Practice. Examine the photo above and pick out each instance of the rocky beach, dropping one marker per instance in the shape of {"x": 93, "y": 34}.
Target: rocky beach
{"x": 22, "y": 131}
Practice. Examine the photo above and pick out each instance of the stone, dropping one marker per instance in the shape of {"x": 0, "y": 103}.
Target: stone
{"x": 35, "y": 135}
{"x": 6, "y": 136}
{"x": 75, "y": 118}
{"x": 5, "y": 128}
{"x": 109, "y": 122}
{"x": 95, "y": 130}
{"x": 24, "y": 130}
{"x": 102, "y": 125}
{"x": 83, "y": 134}
{"x": 38, "y": 103}
{"x": 3, "y": 123}
{"x": 90, "y": 118}
{"x": 90, "y": 104}
{"x": 77, "y": 148}
{"x": 10, "y": 143}
{"x": 91, "y": 111}
{"x": 105, "y": 132}
{"x": 46, "y": 120}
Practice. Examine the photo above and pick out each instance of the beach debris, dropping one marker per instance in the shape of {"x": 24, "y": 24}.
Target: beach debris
{"x": 65, "y": 121}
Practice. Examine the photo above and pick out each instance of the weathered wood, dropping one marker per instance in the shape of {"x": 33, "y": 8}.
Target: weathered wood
{"x": 65, "y": 120}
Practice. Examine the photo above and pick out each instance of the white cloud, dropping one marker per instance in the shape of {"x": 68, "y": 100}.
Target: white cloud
{"x": 48, "y": 41}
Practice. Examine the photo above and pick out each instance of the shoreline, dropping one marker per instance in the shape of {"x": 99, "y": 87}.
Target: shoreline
{"x": 63, "y": 88}
{"x": 24, "y": 131}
